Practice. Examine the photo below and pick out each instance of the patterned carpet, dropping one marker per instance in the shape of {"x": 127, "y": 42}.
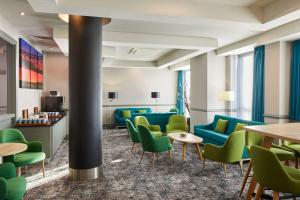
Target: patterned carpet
{"x": 125, "y": 178}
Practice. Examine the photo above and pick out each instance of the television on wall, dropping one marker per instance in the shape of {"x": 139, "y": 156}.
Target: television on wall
{"x": 30, "y": 66}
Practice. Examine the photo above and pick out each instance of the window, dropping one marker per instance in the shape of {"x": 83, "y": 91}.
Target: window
{"x": 243, "y": 74}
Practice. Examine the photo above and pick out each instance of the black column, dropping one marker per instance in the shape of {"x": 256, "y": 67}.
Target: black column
{"x": 85, "y": 132}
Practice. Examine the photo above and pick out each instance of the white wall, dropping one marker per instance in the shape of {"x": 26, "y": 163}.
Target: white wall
{"x": 134, "y": 85}
{"x": 25, "y": 98}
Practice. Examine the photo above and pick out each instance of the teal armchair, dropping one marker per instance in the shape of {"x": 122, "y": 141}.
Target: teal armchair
{"x": 11, "y": 187}
{"x": 32, "y": 155}
{"x": 230, "y": 152}
{"x": 177, "y": 123}
{"x": 152, "y": 144}
{"x": 134, "y": 135}
{"x": 154, "y": 129}
{"x": 269, "y": 172}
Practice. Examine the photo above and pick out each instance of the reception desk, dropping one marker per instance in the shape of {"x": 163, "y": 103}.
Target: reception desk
{"x": 51, "y": 135}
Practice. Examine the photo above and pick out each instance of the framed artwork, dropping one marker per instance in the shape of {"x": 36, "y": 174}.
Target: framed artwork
{"x": 31, "y": 66}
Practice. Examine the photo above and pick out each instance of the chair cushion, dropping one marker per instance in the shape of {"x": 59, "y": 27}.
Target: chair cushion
{"x": 142, "y": 111}
{"x": 293, "y": 172}
{"x": 295, "y": 147}
{"x": 156, "y": 134}
{"x": 283, "y": 154}
{"x": 212, "y": 135}
{"x": 221, "y": 126}
{"x": 126, "y": 113}
{"x": 239, "y": 126}
{"x": 28, "y": 158}
{"x": 16, "y": 188}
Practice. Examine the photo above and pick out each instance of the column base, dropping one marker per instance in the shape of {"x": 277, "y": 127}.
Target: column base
{"x": 86, "y": 174}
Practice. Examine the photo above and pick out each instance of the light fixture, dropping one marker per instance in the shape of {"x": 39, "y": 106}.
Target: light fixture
{"x": 226, "y": 96}
{"x": 22, "y": 13}
{"x": 65, "y": 18}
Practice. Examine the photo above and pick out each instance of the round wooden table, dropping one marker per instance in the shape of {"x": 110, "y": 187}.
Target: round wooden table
{"x": 7, "y": 149}
{"x": 187, "y": 139}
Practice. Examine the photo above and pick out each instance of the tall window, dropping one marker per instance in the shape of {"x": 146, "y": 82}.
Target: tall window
{"x": 3, "y": 77}
{"x": 244, "y": 84}
{"x": 187, "y": 92}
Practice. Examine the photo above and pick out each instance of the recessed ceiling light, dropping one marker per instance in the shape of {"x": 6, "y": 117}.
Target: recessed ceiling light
{"x": 22, "y": 13}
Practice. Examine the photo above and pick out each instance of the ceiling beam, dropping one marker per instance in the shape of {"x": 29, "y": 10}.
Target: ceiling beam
{"x": 108, "y": 62}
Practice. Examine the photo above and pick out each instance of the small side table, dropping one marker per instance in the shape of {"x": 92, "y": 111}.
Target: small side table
{"x": 7, "y": 149}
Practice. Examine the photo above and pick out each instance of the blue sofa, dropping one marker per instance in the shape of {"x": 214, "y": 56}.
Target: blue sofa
{"x": 120, "y": 121}
{"x": 210, "y": 136}
{"x": 161, "y": 119}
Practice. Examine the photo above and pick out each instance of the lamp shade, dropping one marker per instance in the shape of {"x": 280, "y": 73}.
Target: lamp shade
{"x": 112, "y": 95}
{"x": 226, "y": 96}
{"x": 155, "y": 95}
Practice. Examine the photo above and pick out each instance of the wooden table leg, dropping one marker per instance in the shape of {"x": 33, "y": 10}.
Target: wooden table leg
{"x": 183, "y": 150}
{"x": 199, "y": 151}
{"x": 267, "y": 143}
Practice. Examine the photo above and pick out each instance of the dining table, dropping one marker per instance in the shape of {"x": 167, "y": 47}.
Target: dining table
{"x": 271, "y": 132}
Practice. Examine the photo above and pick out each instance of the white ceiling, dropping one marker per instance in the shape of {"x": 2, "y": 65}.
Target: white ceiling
{"x": 162, "y": 33}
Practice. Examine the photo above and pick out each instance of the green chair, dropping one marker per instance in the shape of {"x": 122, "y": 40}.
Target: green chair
{"x": 32, "y": 155}
{"x": 177, "y": 123}
{"x": 154, "y": 129}
{"x": 152, "y": 144}
{"x": 270, "y": 173}
{"x": 230, "y": 152}
{"x": 174, "y": 110}
{"x": 134, "y": 135}
{"x": 253, "y": 138}
{"x": 11, "y": 186}
{"x": 294, "y": 147}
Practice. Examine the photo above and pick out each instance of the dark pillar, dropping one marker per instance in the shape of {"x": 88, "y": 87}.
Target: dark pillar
{"x": 85, "y": 149}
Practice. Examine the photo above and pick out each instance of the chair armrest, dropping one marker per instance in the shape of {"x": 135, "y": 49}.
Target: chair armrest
{"x": 283, "y": 147}
{"x": 161, "y": 143}
{"x": 154, "y": 127}
{"x": 3, "y": 188}
{"x": 34, "y": 146}
{"x": 7, "y": 170}
{"x": 212, "y": 151}
{"x": 168, "y": 127}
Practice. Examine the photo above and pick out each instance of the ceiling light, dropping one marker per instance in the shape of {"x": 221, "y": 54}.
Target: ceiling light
{"x": 22, "y": 13}
{"x": 65, "y": 18}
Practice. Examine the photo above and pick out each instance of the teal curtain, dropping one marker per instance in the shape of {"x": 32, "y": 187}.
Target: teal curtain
{"x": 180, "y": 91}
{"x": 258, "y": 84}
{"x": 294, "y": 113}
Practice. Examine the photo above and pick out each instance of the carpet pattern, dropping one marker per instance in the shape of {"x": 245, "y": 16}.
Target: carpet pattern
{"x": 125, "y": 178}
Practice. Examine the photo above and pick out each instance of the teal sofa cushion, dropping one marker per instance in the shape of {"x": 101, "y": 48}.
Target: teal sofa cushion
{"x": 120, "y": 120}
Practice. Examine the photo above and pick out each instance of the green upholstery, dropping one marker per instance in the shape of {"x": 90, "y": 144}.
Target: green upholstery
{"x": 174, "y": 110}
{"x": 126, "y": 114}
{"x": 33, "y": 154}
{"x": 177, "y": 123}
{"x": 230, "y": 152}
{"x": 292, "y": 146}
{"x": 11, "y": 187}
{"x": 155, "y": 129}
{"x": 282, "y": 153}
{"x": 269, "y": 172}
{"x": 152, "y": 144}
{"x": 142, "y": 111}
{"x": 221, "y": 126}
{"x": 134, "y": 135}
{"x": 239, "y": 126}
{"x": 120, "y": 120}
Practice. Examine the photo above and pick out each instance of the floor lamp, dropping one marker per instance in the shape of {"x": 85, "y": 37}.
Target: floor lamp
{"x": 227, "y": 96}
{"x": 111, "y": 97}
{"x": 155, "y": 95}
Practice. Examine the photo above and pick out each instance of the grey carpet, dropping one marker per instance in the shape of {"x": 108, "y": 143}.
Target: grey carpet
{"x": 125, "y": 178}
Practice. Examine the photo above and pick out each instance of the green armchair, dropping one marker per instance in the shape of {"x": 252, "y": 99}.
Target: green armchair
{"x": 295, "y": 147}
{"x": 11, "y": 187}
{"x": 230, "y": 152}
{"x": 152, "y": 144}
{"x": 270, "y": 173}
{"x": 32, "y": 155}
{"x": 177, "y": 123}
{"x": 154, "y": 129}
{"x": 134, "y": 135}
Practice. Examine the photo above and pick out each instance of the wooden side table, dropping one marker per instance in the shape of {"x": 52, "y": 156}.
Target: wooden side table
{"x": 187, "y": 139}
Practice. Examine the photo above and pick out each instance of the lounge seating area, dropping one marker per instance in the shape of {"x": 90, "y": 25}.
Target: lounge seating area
{"x": 158, "y": 100}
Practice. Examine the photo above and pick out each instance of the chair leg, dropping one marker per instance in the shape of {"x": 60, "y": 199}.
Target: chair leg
{"x": 275, "y": 195}
{"x": 19, "y": 171}
{"x": 132, "y": 146}
{"x": 225, "y": 170}
{"x": 142, "y": 156}
{"x": 43, "y": 168}
{"x": 287, "y": 162}
{"x": 241, "y": 166}
{"x": 259, "y": 192}
{"x": 251, "y": 189}
{"x": 170, "y": 156}
{"x": 246, "y": 178}
{"x": 153, "y": 160}
{"x": 203, "y": 163}
{"x": 297, "y": 162}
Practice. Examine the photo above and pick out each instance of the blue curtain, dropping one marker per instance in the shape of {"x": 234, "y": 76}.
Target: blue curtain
{"x": 258, "y": 84}
{"x": 180, "y": 95}
{"x": 294, "y": 113}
